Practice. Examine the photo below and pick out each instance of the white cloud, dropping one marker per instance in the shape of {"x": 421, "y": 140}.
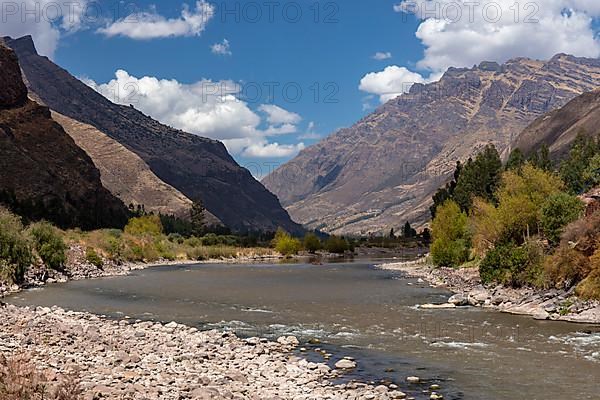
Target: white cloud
{"x": 222, "y": 48}
{"x": 272, "y": 150}
{"x": 206, "y": 108}
{"x": 380, "y": 56}
{"x": 45, "y": 20}
{"x": 389, "y": 83}
{"x": 151, "y": 25}
{"x": 277, "y": 115}
{"x": 461, "y": 34}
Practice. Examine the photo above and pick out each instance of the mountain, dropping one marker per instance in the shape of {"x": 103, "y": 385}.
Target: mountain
{"x": 200, "y": 168}
{"x": 43, "y": 174}
{"x": 382, "y": 171}
{"x": 125, "y": 174}
{"x": 559, "y": 128}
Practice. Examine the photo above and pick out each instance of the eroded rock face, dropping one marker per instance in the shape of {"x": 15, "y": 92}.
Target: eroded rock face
{"x": 199, "y": 168}
{"x": 43, "y": 174}
{"x": 14, "y": 92}
{"x": 559, "y": 128}
{"x": 383, "y": 171}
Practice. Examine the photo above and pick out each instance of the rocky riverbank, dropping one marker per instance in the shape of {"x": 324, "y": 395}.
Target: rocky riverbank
{"x": 551, "y": 304}
{"x": 129, "y": 359}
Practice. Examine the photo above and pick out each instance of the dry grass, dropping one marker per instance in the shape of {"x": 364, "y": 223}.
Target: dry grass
{"x": 20, "y": 380}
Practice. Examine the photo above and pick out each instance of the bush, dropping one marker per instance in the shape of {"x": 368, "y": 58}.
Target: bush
{"x": 559, "y": 210}
{"x": 337, "y": 245}
{"x": 589, "y": 288}
{"x": 311, "y": 243}
{"x": 93, "y": 258}
{"x": 566, "y": 267}
{"x": 49, "y": 245}
{"x": 583, "y": 234}
{"x": 451, "y": 241}
{"x": 15, "y": 251}
{"x": 503, "y": 264}
{"x": 285, "y": 244}
{"x": 147, "y": 225}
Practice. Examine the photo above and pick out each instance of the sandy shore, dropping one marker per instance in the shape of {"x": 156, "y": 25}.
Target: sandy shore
{"x": 551, "y": 304}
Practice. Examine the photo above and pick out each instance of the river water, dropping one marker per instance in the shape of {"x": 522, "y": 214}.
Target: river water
{"x": 355, "y": 309}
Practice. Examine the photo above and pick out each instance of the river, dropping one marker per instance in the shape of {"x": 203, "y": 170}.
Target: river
{"x": 357, "y": 310}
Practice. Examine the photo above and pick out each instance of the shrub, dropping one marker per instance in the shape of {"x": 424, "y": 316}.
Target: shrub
{"x": 15, "y": 251}
{"x": 589, "y": 288}
{"x": 583, "y": 234}
{"x": 147, "y": 225}
{"x": 337, "y": 245}
{"x": 451, "y": 241}
{"x": 49, "y": 244}
{"x": 176, "y": 238}
{"x": 93, "y": 258}
{"x": 566, "y": 267}
{"x": 286, "y": 244}
{"x": 503, "y": 264}
{"x": 559, "y": 210}
{"x": 311, "y": 242}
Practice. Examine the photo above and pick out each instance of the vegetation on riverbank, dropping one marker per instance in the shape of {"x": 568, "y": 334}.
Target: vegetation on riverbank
{"x": 142, "y": 240}
{"x": 523, "y": 223}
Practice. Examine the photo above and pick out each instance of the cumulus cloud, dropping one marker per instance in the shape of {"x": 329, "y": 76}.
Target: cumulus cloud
{"x": 206, "y": 108}
{"x": 272, "y": 150}
{"x": 389, "y": 83}
{"x": 151, "y": 25}
{"x": 461, "y": 33}
{"x": 380, "y": 56}
{"x": 45, "y": 20}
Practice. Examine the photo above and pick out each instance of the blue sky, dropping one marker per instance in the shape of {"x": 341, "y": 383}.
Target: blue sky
{"x": 187, "y": 60}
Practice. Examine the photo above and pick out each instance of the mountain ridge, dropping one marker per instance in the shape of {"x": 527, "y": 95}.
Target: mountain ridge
{"x": 200, "y": 168}
{"x": 382, "y": 171}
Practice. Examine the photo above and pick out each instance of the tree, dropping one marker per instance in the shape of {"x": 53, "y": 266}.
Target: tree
{"x": 408, "y": 231}
{"x": 392, "y": 235}
{"x": 147, "y": 225}
{"x": 49, "y": 244}
{"x": 445, "y": 193}
{"x": 197, "y": 218}
{"x": 558, "y": 211}
{"x": 337, "y": 245}
{"x": 450, "y": 233}
{"x": 311, "y": 243}
{"x": 15, "y": 252}
{"x": 572, "y": 169}
{"x": 479, "y": 178}
{"x": 591, "y": 175}
{"x": 516, "y": 160}
{"x": 285, "y": 244}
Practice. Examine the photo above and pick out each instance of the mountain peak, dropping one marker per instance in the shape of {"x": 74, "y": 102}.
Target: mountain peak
{"x": 22, "y": 45}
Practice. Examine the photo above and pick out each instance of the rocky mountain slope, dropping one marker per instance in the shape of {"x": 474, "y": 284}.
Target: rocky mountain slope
{"x": 199, "y": 168}
{"x": 125, "y": 174}
{"x": 559, "y": 128}
{"x": 43, "y": 174}
{"x": 383, "y": 171}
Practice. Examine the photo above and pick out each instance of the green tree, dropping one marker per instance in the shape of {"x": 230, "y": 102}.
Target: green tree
{"x": 197, "y": 218}
{"x": 147, "y": 225}
{"x": 408, "y": 231}
{"x": 311, "y": 242}
{"x": 558, "y": 211}
{"x": 479, "y": 178}
{"x": 285, "y": 243}
{"x": 337, "y": 245}
{"x": 451, "y": 241}
{"x": 445, "y": 193}
{"x": 573, "y": 168}
{"x": 49, "y": 244}
{"x": 15, "y": 251}
{"x": 591, "y": 174}
{"x": 516, "y": 160}
{"x": 392, "y": 234}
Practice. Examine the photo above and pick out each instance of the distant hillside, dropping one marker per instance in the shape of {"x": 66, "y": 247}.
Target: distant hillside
{"x": 43, "y": 174}
{"x": 199, "y": 168}
{"x": 125, "y": 174}
{"x": 382, "y": 171}
{"x": 559, "y": 128}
